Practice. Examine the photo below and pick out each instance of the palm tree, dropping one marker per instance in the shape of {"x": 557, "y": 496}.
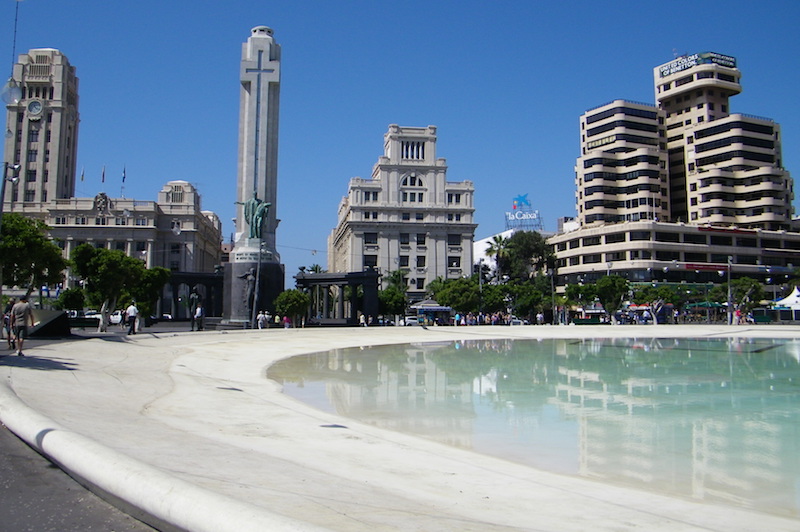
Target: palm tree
{"x": 498, "y": 248}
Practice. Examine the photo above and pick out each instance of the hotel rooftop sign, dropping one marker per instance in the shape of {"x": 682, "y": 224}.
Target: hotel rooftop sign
{"x": 689, "y": 61}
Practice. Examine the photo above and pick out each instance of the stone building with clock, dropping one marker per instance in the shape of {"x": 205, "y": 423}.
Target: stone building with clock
{"x": 41, "y": 144}
{"x": 407, "y": 216}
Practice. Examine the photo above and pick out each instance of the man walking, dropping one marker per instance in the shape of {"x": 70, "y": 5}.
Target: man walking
{"x": 21, "y": 316}
{"x": 132, "y": 312}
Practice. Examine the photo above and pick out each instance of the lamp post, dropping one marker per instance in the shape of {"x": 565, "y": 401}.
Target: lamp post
{"x": 552, "y": 275}
{"x": 13, "y": 179}
{"x": 730, "y": 303}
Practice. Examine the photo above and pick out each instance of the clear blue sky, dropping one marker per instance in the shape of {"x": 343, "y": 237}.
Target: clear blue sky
{"x": 505, "y": 82}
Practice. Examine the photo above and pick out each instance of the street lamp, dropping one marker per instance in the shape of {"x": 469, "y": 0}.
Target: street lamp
{"x": 730, "y": 310}
{"x": 13, "y": 179}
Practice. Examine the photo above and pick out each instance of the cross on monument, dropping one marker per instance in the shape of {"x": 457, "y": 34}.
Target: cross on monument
{"x": 258, "y": 71}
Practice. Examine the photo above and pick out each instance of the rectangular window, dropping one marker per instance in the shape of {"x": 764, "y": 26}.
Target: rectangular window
{"x": 370, "y": 261}
{"x": 691, "y": 238}
{"x": 406, "y": 216}
{"x": 120, "y": 220}
{"x": 420, "y": 261}
{"x": 420, "y": 283}
{"x": 615, "y": 237}
{"x": 453, "y": 198}
{"x": 81, "y": 220}
{"x": 32, "y": 155}
{"x": 403, "y": 261}
{"x": 695, "y": 257}
{"x": 717, "y": 240}
{"x": 60, "y": 220}
{"x": 591, "y": 241}
{"x": 667, "y": 237}
{"x": 453, "y": 240}
{"x": 640, "y": 235}
{"x": 746, "y": 242}
{"x": 30, "y": 176}
{"x": 454, "y": 262}
{"x": 175, "y": 249}
{"x": 141, "y": 221}
{"x": 419, "y": 216}
{"x": 420, "y": 239}
{"x": 370, "y": 238}
{"x": 403, "y": 239}
{"x": 101, "y": 220}
{"x": 33, "y": 135}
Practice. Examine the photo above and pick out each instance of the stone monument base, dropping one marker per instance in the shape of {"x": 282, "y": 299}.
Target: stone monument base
{"x": 242, "y": 276}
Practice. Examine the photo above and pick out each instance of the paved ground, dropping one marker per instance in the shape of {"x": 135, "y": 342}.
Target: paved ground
{"x": 184, "y": 429}
{"x": 37, "y": 496}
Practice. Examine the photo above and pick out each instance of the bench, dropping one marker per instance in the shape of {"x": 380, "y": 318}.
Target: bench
{"x": 594, "y": 320}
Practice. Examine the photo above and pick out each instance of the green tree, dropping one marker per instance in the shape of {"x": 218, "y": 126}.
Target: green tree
{"x": 71, "y": 299}
{"x": 746, "y": 293}
{"x": 528, "y": 252}
{"x": 581, "y": 294}
{"x": 527, "y": 298}
{"x": 293, "y": 303}
{"x": 611, "y": 291}
{"x": 107, "y": 274}
{"x": 392, "y": 299}
{"x": 27, "y": 257}
{"x": 148, "y": 289}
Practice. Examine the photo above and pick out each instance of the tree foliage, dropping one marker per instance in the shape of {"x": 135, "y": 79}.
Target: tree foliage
{"x": 746, "y": 293}
{"x": 107, "y": 274}
{"x": 611, "y": 291}
{"x": 27, "y": 256}
{"x": 293, "y": 303}
{"x": 528, "y": 252}
{"x": 71, "y": 299}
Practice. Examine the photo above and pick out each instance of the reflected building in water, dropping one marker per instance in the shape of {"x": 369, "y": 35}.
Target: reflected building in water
{"x": 711, "y": 420}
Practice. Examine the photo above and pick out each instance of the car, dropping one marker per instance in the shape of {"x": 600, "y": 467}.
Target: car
{"x": 116, "y": 317}
{"x": 411, "y": 320}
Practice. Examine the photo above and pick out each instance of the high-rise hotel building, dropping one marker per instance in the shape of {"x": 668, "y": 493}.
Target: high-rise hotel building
{"x": 678, "y": 190}
{"x": 408, "y": 216}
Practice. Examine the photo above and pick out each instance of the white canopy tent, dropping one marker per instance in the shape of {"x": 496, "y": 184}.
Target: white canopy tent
{"x": 792, "y": 301}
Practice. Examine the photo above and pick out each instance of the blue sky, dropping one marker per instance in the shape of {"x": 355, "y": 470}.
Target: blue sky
{"x": 505, "y": 82}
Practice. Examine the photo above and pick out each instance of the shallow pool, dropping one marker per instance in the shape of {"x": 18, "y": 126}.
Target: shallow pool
{"x": 716, "y": 420}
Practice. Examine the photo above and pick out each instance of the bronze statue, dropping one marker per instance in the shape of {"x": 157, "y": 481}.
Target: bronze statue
{"x": 249, "y": 288}
{"x": 255, "y": 212}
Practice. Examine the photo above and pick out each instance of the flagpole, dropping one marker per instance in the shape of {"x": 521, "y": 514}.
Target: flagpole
{"x": 122, "y": 187}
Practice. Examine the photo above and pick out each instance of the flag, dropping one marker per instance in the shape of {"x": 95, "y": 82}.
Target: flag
{"x": 83, "y": 171}
{"x": 103, "y": 177}
{"x": 123, "y": 174}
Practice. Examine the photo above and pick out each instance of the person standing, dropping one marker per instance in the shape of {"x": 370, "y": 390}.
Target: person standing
{"x": 198, "y": 316}
{"x": 7, "y": 324}
{"x": 21, "y": 316}
{"x": 131, "y": 313}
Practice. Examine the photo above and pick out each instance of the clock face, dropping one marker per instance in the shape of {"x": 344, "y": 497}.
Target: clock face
{"x": 35, "y": 107}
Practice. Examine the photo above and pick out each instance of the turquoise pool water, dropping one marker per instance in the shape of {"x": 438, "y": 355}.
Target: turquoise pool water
{"x": 716, "y": 420}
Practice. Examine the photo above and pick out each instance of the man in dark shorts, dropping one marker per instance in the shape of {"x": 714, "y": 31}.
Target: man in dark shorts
{"x": 21, "y": 316}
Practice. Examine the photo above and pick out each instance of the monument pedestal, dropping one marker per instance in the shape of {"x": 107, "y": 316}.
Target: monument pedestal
{"x": 244, "y": 277}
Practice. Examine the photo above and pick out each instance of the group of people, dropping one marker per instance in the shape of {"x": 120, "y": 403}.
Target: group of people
{"x": 17, "y": 316}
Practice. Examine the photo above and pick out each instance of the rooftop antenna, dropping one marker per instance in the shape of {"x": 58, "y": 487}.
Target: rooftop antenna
{"x": 11, "y": 92}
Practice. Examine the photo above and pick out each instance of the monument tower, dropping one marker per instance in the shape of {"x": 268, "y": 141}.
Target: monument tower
{"x": 255, "y": 276}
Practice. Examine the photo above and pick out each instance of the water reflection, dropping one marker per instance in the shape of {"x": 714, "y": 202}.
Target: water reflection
{"x": 714, "y": 419}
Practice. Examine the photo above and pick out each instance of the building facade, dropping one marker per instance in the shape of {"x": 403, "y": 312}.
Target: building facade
{"x": 42, "y": 138}
{"x": 407, "y": 216}
{"x": 42, "y": 128}
{"x": 671, "y": 190}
